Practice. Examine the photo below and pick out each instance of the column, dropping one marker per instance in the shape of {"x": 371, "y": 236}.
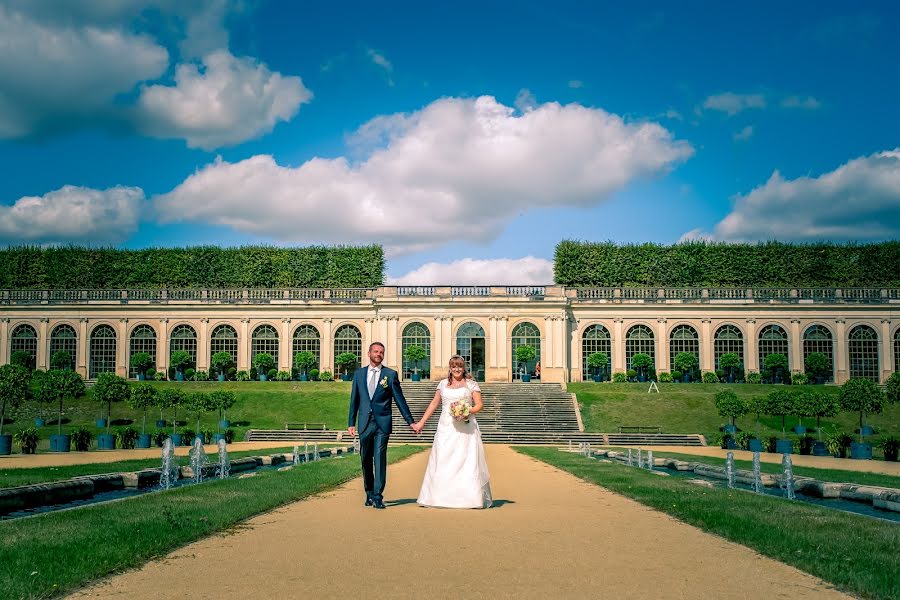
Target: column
{"x": 795, "y": 347}
{"x": 662, "y": 346}
{"x": 285, "y": 346}
{"x": 122, "y": 349}
{"x": 4, "y": 340}
{"x": 203, "y": 358}
{"x": 618, "y": 346}
{"x": 707, "y": 360}
{"x": 326, "y": 350}
{"x": 751, "y": 354}
{"x": 43, "y": 348}
{"x": 887, "y": 365}
{"x": 394, "y": 353}
{"x": 492, "y": 346}
{"x": 437, "y": 347}
{"x": 574, "y": 359}
{"x": 162, "y": 347}
{"x": 548, "y": 358}
{"x": 83, "y": 345}
{"x": 449, "y": 341}
{"x": 841, "y": 359}
{"x": 244, "y": 345}
{"x": 503, "y": 342}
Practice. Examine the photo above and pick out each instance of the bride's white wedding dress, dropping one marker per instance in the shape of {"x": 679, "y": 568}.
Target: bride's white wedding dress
{"x": 457, "y": 474}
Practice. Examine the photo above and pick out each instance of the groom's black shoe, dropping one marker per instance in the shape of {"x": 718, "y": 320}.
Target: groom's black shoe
{"x": 378, "y": 504}
{"x": 369, "y": 502}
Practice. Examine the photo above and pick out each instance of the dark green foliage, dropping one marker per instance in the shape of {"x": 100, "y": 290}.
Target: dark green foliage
{"x": 74, "y": 267}
{"x": 704, "y": 264}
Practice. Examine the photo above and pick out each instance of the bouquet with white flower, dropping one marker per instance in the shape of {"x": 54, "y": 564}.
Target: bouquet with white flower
{"x": 460, "y": 410}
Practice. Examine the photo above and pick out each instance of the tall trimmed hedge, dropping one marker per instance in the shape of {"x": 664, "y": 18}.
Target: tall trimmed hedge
{"x": 702, "y": 264}
{"x": 74, "y": 267}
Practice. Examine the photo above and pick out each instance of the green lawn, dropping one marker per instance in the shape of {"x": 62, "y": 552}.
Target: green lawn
{"x": 857, "y": 554}
{"x": 55, "y": 553}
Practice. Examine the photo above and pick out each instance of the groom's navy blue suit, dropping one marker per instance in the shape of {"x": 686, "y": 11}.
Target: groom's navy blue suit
{"x": 374, "y": 417}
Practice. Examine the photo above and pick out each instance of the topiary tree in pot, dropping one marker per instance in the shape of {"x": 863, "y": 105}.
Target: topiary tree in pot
{"x": 141, "y": 361}
{"x": 57, "y": 387}
{"x": 344, "y": 361}
{"x": 263, "y": 363}
{"x": 730, "y": 405}
{"x": 143, "y": 396}
{"x": 524, "y": 355}
{"x": 415, "y": 353}
{"x": 199, "y": 403}
{"x": 303, "y": 362}
{"x": 780, "y": 403}
{"x": 221, "y": 362}
{"x": 60, "y": 360}
{"x": 865, "y": 397}
{"x": 108, "y": 389}
{"x": 686, "y": 362}
{"x": 730, "y": 362}
{"x": 818, "y": 364}
{"x": 818, "y": 404}
{"x": 22, "y": 359}
{"x": 180, "y": 361}
{"x": 640, "y": 362}
{"x": 597, "y": 363}
{"x": 15, "y": 388}
{"x": 172, "y": 398}
{"x": 222, "y": 400}
{"x": 776, "y": 364}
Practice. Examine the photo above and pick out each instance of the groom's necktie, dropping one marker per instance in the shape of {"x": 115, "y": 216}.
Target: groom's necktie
{"x": 373, "y": 381}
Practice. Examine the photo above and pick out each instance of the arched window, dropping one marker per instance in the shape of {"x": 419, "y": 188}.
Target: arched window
{"x": 863, "y": 352}
{"x": 684, "y": 338}
{"x": 416, "y": 334}
{"x": 525, "y": 334}
{"x": 818, "y": 339}
{"x": 64, "y": 339}
{"x": 729, "y": 339}
{"x": 264, "y": 341}
{"x": 639, "y": 340}
{"x": 470, "y": 345}
{"x": 306, "y": 339}
{"x": 224, "y": 338}
{"x": 24, "y": 339}
{"x": 773, "y": 339}
{"x": 102, "y": 351}
{"x": 143, "y": 339}
{"x": 184, "y": 338}
{"x": 595, "y": 339}
{"x": 347, "y": 338}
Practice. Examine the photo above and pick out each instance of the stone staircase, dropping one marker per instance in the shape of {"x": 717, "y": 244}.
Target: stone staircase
{"x": 514, "y": 413}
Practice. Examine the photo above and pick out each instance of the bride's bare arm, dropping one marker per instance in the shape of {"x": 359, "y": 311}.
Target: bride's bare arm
{"x": 477, "y": 404}
{"x": 435, "y": 402}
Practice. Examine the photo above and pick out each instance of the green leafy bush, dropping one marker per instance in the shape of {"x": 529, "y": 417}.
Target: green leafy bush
{"x": 665, "y": 377}
{"x": 326, "y": 376}
{"x": 126, "y": 438}
{"x": 27, "y": 439}
{"x": 754, "y": 377}
{"x": 619, "y": 377}
{"x": 710, "y": 377}
{"x": 81, "y": 439}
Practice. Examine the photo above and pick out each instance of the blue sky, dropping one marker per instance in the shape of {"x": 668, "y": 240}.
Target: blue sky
{"x": 468, "y": 139}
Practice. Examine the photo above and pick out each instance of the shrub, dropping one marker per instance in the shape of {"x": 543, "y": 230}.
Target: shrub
{"x": 619, "y": 377}
{"x": 710, "y": 377}
{"x": 665, "y": 377}
{"x": 743, "y": 439}
{"x": 125, "y": 438}
{"x": 159, "y": 376}
{"x": 232, "y": 373}
{"x": 61, "y": 360}
{"x": 201, "y": 376}
{"x": 754, "y": 377}
{"x": 229, "y": 436}
{"x": 798, "y": 378}
{"x": 159, "y": 437}
{"x": 151, "y": 373}
{"x": 282, "y": 375}
{"x": 254, "y": 374}
{"x": 170, "y": 373}
{"x": 837, "y": 444}
{"x": 314, "y": 374}
{"x": 818, "y": 364}
{"x": 890, "y": 446}
{"x": 677, "y": 375}
{"x": 272, "y": 374}
{"x": 27, "y": 439}
{"x": 771, "y": 443}
{"x": 892, "y": 388}
{"x": 189, "y": 374}
{"x": 242, "y": 376}
{"x": 81, "y": 439}
{"x": 187, "y": 437}
{"x": 631, "y": 374}
{"x": 22, "y": 359}
{"x": 326, "y": 376}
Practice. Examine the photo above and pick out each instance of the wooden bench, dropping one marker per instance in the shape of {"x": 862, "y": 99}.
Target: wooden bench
{"x": 640, "y": 429}
{"x": 305, "y": 426}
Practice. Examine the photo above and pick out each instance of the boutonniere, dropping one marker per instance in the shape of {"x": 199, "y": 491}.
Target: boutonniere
{"x": 384, "y": 382}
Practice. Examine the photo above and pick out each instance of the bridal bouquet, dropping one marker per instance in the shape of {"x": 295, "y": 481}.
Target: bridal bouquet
{"x": 459, "y": 410}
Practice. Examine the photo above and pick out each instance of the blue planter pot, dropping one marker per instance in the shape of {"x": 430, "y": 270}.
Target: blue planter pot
{"x": 224, "y": 424}
{"x": 160, "y": 423}
{"x": 60, "y": 443}
{"x": 729, "y": 429}
{"x": 755, "y": 445}
{"x": 686, "y": 378}
{"x": 345, "y": 377}
{"x": 106, "y": 441}
{"x": 416, "y": 377}
{"x": 819, "y": 449}
{"x": 263, "y": 377}
{"x": 861, "y": 451}
{"x": 5, "y": 444}
{"x": 101, "y": 423}
{"x": 784, "y": 446}
{"x": 221, "y": 377}
{"x": 526, "y": 378}
{"x": 39, "y": 422}
{"x": 176, "y": 439}
{"x": 597, "y": 378}
{"x": 143, "y": 441}
{"x": 304, "y": 378}
{"x": 217, "y": 437}
{"x": 799, "y": 429}
{"x": 142, "y": 377}
{"x": 866, "y": 430}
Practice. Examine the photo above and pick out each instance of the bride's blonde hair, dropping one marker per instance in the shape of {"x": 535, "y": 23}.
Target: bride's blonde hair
{"x": 457, "y": 361}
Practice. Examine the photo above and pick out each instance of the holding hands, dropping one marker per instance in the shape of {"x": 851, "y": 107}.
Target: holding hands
{"x": 418, "y": 427}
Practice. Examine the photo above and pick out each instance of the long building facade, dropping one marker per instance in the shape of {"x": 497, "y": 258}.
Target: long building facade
{"x": 858, "y": 328}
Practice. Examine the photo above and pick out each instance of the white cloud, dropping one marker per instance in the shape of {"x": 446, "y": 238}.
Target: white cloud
{"x": 860, "y": 200}
{"x": 525, "y": 101}
{"x": 51, "y": 74}
{"x": 731, "y": 103}
{"x": 73, "y": 215}
{"x": 808, "y": 103}
{"x": 744, "y": 134}
{"x": 229, "y": 101}
{"x": 576, "y": 84}
{"x": 673, "y": 114}
{"x": 380, "y": 60}
{"x": 470, "y": 271}
{"x": 459, "y": 169}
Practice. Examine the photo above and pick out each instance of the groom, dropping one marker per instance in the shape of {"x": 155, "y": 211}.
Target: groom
{"x": 374, "y": 386}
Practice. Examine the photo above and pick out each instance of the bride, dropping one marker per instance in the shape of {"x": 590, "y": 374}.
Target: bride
{"x": 457, "y": 474}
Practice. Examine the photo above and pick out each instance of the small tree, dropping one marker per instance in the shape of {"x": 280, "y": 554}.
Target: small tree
{"x": 263, "y": 363}
{"x": 640, "y": 362}
{"x": 23, "y": 359}
{"x": 143, "y": 396}
{"x": 108, "y": 389}
{"x": 415, "y": 353}
{"x": 221, "y": 362}
{"x": 180, "y": 360}
{"x": 60, "y": 360}
{"x": 41, "y": 390}
{"x": 863, "y": 396}
{"x": 304, "y": 361}
{"x": 198, "y": 403}
{"x": 345, "y": 360}
{"x": 730, "y": 361}
{"x": 892, "y": 388}
{"x": 686, "y": 362}
{"x": 171, "y": 398}
{"x": 141, "y": 361}
{"x": 524, "y": 355}
{"x": 730, "y": 405}
{"x": 776, "y": 363}
{"x": 597, "y": 362}
{"x": 757, "y": 405}
{"x": 15, "y": 388}
{"x": 818, "y": 364}
{"x": 818, "y": 404}
{"x": 780, "y": 403}
{"x": 222, "y": 400}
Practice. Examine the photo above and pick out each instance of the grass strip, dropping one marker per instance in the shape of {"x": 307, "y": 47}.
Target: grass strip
{"x": 30, "y": 476}
{"x": 48, "y": 555}
{"x": 858, "y": 555}
{"x": 833, "y": 475}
